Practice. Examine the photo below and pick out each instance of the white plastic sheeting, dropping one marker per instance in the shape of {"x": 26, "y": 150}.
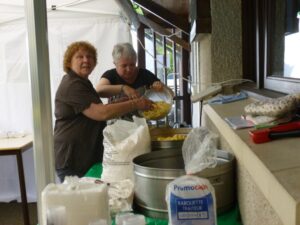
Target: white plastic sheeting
{"x": 11, "y": 10}
{"x": 102, "y": 29}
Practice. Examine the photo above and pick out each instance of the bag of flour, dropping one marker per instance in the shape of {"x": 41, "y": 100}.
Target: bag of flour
{"x": 123, "y": 141}
{"x": 191, "y": 200}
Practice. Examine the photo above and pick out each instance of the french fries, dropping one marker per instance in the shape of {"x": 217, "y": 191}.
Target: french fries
{"x": 175, "y": 137}
{"x": 159, "y": 111}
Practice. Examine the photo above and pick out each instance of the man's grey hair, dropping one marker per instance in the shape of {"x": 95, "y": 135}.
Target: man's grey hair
{"x": 123, "y": 50}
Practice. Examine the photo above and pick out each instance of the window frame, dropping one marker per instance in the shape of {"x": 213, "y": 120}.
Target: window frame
{"x": 263, "y": 36}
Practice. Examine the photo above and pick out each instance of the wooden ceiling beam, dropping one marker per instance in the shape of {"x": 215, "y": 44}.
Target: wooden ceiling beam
{"x": 164, "y": 14}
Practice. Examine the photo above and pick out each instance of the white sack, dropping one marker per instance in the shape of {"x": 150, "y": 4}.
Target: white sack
{"x": 123, "y": 141}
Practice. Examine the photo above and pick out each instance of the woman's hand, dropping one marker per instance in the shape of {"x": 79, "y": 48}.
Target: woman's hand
{"x": 143, "y": 103}
{"x": 157, "y": 86}
{"x": 130, "y": 92}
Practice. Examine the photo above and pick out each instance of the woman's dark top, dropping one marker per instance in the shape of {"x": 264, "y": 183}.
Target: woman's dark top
{"x": 143, "y": 81}
{"x": 77, "y": 138}
{"x": 144, "y": 78}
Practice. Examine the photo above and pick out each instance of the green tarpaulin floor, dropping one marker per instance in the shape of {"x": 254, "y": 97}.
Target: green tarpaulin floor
{"x": 231, "y": 217}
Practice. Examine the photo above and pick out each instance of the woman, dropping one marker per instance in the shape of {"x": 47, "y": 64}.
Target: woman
{"x": 126, "y": 78}
{"x": 80, "y": 114}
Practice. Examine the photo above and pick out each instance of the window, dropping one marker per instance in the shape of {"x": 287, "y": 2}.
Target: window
{"x": 171, "y": 82}
{"x": 278, "y": 45}
{"x": 167, "y": 60}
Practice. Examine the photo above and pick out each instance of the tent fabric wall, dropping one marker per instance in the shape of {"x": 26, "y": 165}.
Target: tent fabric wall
{"x": 103, "y": 31}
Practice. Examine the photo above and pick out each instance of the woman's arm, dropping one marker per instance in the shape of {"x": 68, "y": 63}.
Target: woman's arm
{"x": 105, "y": 89}
{"x": 101, "y": 112}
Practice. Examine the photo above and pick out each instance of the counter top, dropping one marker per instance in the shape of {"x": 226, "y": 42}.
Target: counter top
{"x": 274, "y": 166}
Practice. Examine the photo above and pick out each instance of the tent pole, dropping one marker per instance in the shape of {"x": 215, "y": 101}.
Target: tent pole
{"x": 82, "y": 10}
{"x": 36, "y": 16}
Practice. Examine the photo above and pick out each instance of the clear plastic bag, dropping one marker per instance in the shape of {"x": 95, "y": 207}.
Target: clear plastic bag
{"x": 199, "y": 150}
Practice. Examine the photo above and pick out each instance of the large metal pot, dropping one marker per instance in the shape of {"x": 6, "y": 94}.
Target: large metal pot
{"x": 165, "y": 132}
{"x": 154, "y": 170}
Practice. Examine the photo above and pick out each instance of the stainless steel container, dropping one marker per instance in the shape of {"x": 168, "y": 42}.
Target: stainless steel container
{"x": 166, "y": 132}
{"x": 154, "y": 170}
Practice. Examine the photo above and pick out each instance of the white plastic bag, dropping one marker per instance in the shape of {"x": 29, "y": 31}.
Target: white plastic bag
{"x": 123, "y": 141}
{"x": 120, "y": 194}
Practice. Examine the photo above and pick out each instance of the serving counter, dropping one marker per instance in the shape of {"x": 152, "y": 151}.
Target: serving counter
{"x": 268, "y": 175}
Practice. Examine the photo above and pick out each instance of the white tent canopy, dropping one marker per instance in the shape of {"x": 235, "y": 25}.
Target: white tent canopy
{"x": 97, "y": 21}
{"x": 11, "y": 10}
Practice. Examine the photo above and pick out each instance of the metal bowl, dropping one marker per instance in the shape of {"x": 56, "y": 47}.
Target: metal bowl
{"x": 163, "y": 101}
{"x": 167, "y": 132}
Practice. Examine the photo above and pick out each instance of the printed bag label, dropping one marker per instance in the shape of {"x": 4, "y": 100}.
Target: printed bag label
{"x": 192, "y": 211}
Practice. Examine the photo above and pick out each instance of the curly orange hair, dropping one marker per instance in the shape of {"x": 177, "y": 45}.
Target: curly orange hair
{"x": 73, "y": 48}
